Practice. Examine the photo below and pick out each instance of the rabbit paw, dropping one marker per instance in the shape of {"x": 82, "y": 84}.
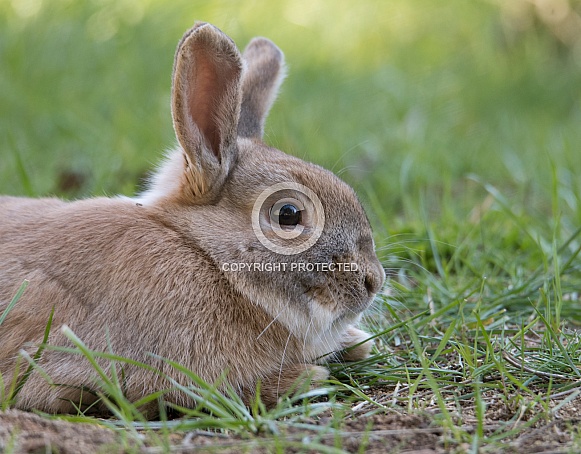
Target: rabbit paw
{"x": 294, "y": 379}
{"x": 354, "y": 336}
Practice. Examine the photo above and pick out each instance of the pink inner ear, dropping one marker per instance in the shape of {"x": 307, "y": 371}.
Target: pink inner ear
{"x": 211, "y": 78}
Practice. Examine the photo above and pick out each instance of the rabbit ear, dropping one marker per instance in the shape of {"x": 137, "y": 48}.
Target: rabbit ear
{"x": 206, "y": 97}
{"x": 265, "y": 72}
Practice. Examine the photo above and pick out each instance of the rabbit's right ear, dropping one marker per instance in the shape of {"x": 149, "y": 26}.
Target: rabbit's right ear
{"x": 265, "y": 72}
{"x": 206, "y": 98}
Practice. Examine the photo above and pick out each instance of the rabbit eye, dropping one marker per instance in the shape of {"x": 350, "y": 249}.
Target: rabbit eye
{"x": 288, "y": 215}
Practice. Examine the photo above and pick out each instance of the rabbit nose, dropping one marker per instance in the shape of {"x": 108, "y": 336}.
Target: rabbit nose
{"x": 374, "y": 278}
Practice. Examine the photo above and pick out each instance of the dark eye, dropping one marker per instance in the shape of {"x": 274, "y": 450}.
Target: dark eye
{"x": 288, "y": 215}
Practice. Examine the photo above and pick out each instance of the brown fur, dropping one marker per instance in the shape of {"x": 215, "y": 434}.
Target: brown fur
{"x": 145, "y": 276}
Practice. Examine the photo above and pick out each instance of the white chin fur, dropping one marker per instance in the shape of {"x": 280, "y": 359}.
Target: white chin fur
{"x": 321, "y": 330}
{"x": 329, "y": 329}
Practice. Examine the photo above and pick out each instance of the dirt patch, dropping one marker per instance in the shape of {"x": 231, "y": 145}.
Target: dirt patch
{"x": 23, "y": 432}
{"x": 391, "y": 430}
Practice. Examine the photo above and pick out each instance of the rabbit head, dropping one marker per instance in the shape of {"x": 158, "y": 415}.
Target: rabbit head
{"x": 288, "y": 234}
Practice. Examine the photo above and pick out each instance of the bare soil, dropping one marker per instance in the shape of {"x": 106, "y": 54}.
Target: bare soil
{"x": 392, "y": 430}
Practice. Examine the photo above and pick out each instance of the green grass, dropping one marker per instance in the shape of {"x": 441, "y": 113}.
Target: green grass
{"x": 456, "y": 122}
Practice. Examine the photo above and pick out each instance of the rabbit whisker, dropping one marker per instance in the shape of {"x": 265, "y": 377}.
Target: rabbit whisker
{"x": 282, "y": 364}
{"x": 270, "y": 324}
{"x": 305, "y": 339}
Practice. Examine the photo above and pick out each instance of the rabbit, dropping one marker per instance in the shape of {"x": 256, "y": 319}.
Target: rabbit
{"x": 237, "y": 261}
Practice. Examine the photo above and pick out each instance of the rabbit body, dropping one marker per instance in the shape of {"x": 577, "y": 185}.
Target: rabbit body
{"x": 148, "y": 278}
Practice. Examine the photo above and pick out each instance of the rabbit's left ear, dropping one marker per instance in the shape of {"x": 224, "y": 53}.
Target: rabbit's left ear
{"x": 265, "y": 72}
{"x": 206, "y": 98}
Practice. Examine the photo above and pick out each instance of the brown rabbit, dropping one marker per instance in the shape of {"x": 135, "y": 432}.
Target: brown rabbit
{"x": 239, "y": 259}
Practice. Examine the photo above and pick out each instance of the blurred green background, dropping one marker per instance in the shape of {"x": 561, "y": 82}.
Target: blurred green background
{"x": 416, "y": 103}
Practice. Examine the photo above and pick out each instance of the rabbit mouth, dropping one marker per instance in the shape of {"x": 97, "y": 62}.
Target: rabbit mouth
{"x": 338, "y": 303}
